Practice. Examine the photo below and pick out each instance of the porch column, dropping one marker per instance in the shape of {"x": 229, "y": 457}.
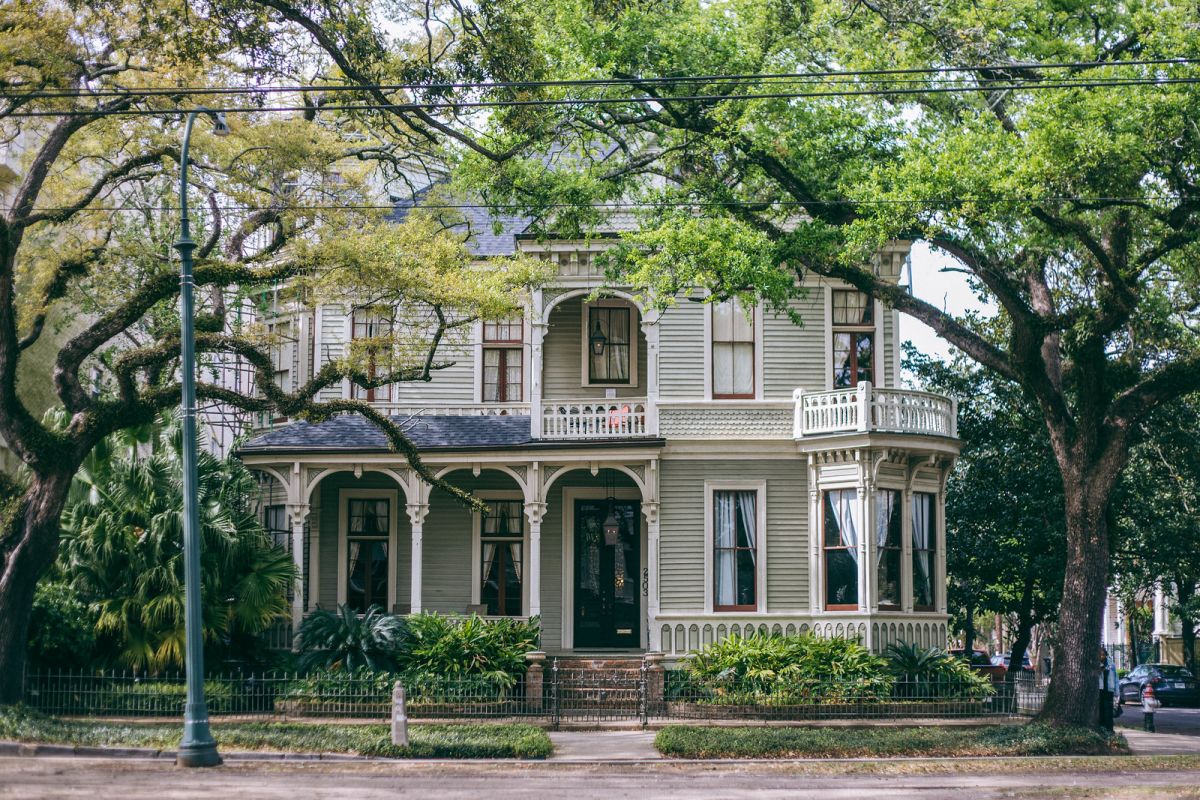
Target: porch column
{"x": 416, "y": 516}
{"x": 866, "y": 575}
{"x": 650, "y": 509}
{"x": 906, "y": 554}
{"x": 650, "y": 331}
{"x": 533, "y": 566}
{"x": 538, "y": 332}
{"x": 297, "y": 513}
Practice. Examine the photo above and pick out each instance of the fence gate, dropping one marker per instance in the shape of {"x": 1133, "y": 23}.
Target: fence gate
{"x": 587, "y": 691}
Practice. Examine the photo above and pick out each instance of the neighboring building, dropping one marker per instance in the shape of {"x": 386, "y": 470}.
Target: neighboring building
{"x": 1168, "y": 628}
{"x": 654, "y": 481}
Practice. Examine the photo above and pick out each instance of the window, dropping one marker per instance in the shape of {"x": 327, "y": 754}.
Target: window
{"x": 923, "y": 547}
{"x": 503, "y": 375}
{"x": 275, "y": 523}
{"x": 371, "y": 336}
{"x": 502, "y": 539}
{"x": 888, "y": 507}
{"x": 840, "y": 548}
{"x": 367, "y": 554}
{"x": 735, "y": 550}
{"x": 283, "y": 352}
{"x": 607, "y": 337}
{"x": 853, "y": 339}
{"x": 732, "y": 350}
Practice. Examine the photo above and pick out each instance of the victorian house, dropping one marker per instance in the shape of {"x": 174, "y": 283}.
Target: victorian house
{"x": 654, "y": 481}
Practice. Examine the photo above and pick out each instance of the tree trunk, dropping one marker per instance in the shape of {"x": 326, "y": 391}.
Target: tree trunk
{"x": 969, "y": 629}
{"x": 27, "y": 548}
{"x": 1016, "y": 656}
{"x": 1073, "y": 695}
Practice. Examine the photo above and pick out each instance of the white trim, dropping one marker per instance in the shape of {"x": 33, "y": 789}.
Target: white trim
{"x": 895, "y": 377}
{"x": 635, "y": 330}
{"x": 393, "y": 498}
{"x": 314, "y": 554}
{"x": 477, "y": 353}
{"x": 477, "y": 540}
{"x": 759, "y": 487}
{"x": 569, "y": 495}
{"x": 827, "y": 357}
{"x": 877, "y": 371}
{"x": 347, "y": 338}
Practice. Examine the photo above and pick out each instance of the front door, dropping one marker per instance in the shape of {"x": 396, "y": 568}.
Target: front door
{"x": 607, "y": 583}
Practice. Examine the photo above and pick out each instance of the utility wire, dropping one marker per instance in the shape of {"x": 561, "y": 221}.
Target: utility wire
{"x": 786, "y": 77}
{"x": 597, "y": 101}
{"x": 516, "y": 210}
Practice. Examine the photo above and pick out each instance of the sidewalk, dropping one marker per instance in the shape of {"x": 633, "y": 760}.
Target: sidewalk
{"x": 1142, "y": 743}
{"x": 603, "y": 746}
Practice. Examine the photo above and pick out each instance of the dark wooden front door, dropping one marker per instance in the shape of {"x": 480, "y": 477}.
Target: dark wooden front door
{"x": 608, "y": 586}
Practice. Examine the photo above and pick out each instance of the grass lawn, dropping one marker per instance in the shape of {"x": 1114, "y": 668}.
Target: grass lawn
{"x": 993, "y": 740}
{"x": 426, "y": 741}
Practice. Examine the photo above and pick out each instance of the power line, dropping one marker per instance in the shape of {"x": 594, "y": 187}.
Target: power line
{"x": 513, "y": 209}
{"x": 175, "y": 91}
{"x": 597, "y": 101}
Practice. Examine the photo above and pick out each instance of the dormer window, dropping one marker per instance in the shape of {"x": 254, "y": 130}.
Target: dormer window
{"x": 853, "y": 339}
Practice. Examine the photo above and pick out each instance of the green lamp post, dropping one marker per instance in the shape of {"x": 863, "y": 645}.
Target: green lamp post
{"x": 197, "y": 749}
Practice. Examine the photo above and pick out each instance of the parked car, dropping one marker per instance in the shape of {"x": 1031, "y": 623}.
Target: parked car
{"x": 980, "y": 661}
{"x": 1173, "y": 685}
{"x": 1003, "y": 659}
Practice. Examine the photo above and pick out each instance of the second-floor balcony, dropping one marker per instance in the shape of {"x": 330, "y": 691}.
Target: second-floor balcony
{"x": 625, "y": 418}
{"x": 867, "y": 408}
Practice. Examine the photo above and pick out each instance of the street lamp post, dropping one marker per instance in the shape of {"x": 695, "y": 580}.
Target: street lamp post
{"x": 197, "y": 749}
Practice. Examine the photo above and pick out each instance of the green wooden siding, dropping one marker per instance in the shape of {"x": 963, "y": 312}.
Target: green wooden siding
{"x": 562, "y": 369}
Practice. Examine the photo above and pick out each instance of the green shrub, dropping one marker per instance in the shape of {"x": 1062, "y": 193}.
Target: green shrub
{"x": 457, "y": 646}
{"x": 838, "y": 742}
{"x": 62, "y": 629}
{"x": 344, "y": 640}
{"x": 774, "y": 669}
{"x": 929, "y": 673}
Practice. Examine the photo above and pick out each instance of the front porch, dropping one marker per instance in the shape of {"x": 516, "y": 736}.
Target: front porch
{"x": 571, "y": 539}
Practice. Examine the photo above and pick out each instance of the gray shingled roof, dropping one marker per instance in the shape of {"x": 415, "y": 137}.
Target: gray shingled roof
{"x": 480, "y": 226}
{"x": 351, "y": 433}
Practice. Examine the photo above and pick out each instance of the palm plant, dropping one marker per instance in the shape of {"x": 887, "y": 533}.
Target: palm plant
{"x": 343, "y": 640}
{"x": 123, "y": 550}
{"x": 930, "y": 672}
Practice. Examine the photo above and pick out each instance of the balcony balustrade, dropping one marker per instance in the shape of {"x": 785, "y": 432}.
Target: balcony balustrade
{"x": 866, "y": 409}
{"x": 596, "y": 419}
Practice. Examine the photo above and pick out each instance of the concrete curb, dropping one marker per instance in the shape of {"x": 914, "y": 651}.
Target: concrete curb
{"x": 38, "y": 750}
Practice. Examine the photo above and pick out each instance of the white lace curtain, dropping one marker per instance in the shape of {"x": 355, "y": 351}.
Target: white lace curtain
{"x": 728, "y": 509}
{"x": 844, "y": 504}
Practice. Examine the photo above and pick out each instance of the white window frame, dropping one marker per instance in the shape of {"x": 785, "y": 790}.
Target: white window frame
{"x": 635, "y": 316}
{"x": 758, "y": 356}
{"x": 391, "y": 495}
{"x": 760, "y": 588}
{"x": 477, "y": 548}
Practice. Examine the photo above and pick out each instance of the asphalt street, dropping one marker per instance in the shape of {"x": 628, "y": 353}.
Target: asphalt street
{"x": 75, "y": 778}
{"x": 1166, "y": 720}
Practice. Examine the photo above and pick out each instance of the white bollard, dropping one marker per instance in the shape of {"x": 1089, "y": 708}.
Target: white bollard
{"x": 399, "y": 716}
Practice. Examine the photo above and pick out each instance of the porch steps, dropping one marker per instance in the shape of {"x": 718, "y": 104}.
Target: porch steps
{"x": 598, "y": 686}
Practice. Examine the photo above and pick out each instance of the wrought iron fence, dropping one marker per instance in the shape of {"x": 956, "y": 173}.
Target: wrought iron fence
{"x": 559, "y": 695}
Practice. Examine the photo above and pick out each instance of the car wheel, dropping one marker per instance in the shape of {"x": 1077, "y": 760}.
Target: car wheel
{"x": 1121, "y": 697}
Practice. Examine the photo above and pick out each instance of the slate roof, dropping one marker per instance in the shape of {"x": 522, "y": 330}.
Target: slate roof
{"x": 351, "y": 433}
{"x": 479, "y": 225}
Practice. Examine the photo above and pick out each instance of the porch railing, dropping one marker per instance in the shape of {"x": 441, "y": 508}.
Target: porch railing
{"x": 866, "y": 408}
{"x": 459, "y": 410}
{"x": 596, "y": 419}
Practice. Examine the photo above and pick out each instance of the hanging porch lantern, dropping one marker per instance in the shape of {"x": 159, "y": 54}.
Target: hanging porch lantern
{"x": 612, "y": 526}
{"x": 598, "y": 340}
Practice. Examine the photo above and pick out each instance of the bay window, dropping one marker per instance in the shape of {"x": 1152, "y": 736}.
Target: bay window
{"x": 840, "y": 549}
{"x": 924, "y": 546}
{"x": 853, "y": 338}
{"x": 888, "y": 507}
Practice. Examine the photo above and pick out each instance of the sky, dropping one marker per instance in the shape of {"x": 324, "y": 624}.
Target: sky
{"x": 946, "y": 290}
